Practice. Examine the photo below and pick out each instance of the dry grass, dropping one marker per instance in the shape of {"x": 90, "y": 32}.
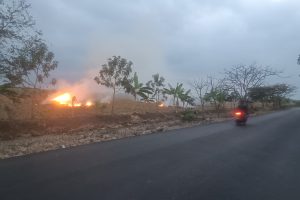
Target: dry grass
{"x": 22, "y": 109}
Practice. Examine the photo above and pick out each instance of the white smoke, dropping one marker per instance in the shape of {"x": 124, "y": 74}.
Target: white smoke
{"x": 85, "y": 89}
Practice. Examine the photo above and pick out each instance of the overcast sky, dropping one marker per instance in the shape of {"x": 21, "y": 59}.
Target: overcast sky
{"x": 182, "y": 40}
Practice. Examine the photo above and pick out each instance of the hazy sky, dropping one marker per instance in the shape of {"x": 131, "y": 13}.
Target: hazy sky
{"x": 182, "y": 40}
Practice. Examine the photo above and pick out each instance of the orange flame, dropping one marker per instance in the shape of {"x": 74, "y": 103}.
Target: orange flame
{"x": 64, "y": 99}
{"x": 161, "y": 105}
{"x": 88, "y": 103}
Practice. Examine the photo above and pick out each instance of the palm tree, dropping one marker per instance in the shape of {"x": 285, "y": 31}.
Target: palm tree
{"x": 137, "y": 89}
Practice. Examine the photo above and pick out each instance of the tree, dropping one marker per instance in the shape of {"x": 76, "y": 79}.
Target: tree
{"x": 260, "y": 94}
{"x": 24, "y": 57}
{"x": 240, "y": 78}
{"x": 185, "y": 98}
{"x": 137, "y": 89}
{"x": 31, "y": 65}
{"x": 178, "y": 93}
{"x": 115, "y": 74}
{"x": 200, "y": 87}
{"x": 17, "y": 30}
{"x": 275, "y": 93}
{"x": 280, "y": 93}
{"x": 157, "y": 85}
{"x": 233, "y": 97}
{"x": 16, "y": 26}
{"x": 174, "y": 92}
{"x": 15, "y": 20}
{"x": 217, "y": 94}
{"x": 216, "y": 97}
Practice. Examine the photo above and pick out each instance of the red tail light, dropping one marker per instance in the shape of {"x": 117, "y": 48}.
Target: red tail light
{"x": 238, "y": 113}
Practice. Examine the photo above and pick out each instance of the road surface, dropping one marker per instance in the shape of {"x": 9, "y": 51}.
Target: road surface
{"x": 217, "y": 161}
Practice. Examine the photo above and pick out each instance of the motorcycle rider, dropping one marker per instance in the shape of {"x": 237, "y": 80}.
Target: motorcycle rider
{"x": 243, "y": 106}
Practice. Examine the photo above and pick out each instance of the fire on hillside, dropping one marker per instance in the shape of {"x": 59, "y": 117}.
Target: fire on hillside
{"x": 67, "y": 99}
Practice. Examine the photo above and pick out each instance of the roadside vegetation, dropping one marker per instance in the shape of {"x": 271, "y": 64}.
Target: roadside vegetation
{"x": 26, "y": 64}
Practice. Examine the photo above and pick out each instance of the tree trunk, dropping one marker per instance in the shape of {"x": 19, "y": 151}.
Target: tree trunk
{"x": 113, "y": 101}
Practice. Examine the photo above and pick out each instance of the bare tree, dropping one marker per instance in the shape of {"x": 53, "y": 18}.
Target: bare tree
{"x": 240, "y": 78}
{"x": 200, "y": 87}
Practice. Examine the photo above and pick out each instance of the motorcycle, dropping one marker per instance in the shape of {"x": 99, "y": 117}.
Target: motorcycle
{"x": 241, "y": 117}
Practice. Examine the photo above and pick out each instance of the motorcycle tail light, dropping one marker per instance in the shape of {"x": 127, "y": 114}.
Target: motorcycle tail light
{"x": 238, "y": 113}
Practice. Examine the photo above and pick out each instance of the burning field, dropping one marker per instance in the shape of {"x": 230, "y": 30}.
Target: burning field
{"x": 63, "y": 120}
{"x": 66, "y": 99}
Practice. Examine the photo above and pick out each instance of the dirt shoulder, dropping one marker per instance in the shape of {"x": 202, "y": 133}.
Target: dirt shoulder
{"x": 19, "y": 138}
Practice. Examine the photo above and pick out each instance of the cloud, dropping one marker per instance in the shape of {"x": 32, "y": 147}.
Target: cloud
{"x": 179, "y": 39}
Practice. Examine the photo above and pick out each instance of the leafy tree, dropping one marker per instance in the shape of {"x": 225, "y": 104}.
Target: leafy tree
{"x": 16, "y": 26}
{"x": 240, "y": 78}
{"x": 115, "y": 74}
{"x": 137, "y": 89}
{"x": 157, "y": 85}
{"x": 260, "y": 94}
{"x": 275, "y": 93}
{"x": 280, "y": 93}
{"x": 24, "y": 58}
{"x": 31, "y": 65}
{"x": 233, "y": 97}
{"x": 216, "y": 97}
{"x": 217, "y": 94}
{"x": 15, "y": 20}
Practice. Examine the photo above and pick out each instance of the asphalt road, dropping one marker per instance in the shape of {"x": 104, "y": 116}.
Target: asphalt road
{"x": 217, "y": 161}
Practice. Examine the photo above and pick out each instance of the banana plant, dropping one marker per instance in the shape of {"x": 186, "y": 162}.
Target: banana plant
{"x": 174, "y": 92}
{"x": 135, "y": 88}
{"x": 185, "y": 97}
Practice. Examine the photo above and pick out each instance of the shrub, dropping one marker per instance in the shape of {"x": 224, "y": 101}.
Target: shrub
{"x": 188, "y": 116}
